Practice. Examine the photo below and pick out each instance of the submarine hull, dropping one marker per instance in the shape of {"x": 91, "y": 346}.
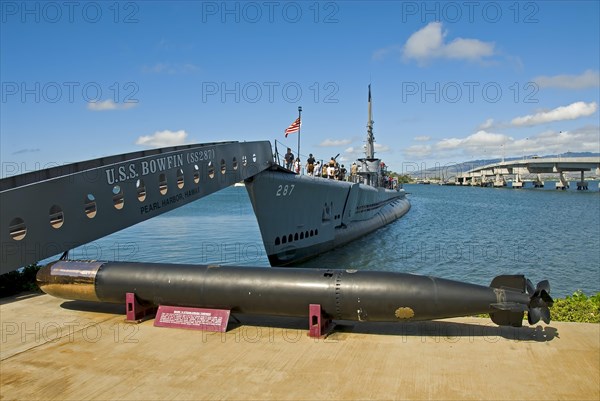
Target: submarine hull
{"x": 300, "y": 216}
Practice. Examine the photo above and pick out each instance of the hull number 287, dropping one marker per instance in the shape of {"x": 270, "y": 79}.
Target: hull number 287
{"x": 285, "y": 190}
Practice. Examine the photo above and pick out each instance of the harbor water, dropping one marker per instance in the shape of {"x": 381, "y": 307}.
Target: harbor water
{"x": 463, "y": 233}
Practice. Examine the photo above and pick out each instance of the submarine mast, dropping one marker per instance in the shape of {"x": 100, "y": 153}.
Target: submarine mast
{"x": 370, "y": 147}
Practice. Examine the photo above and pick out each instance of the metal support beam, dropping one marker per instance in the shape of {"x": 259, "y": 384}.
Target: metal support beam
{"x": 48, "y": 212}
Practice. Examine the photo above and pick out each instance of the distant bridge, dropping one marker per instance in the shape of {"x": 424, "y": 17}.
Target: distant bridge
{"x": 494, "y": 174}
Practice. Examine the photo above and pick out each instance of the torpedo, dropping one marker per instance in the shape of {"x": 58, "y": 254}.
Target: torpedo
{"x": 374, "y": 296}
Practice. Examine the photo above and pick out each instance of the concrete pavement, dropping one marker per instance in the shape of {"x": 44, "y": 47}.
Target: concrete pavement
{"x": 54, "y": 349}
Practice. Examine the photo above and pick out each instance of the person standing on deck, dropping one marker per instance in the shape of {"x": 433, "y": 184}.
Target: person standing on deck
{"x": 310, "y": 165}
{"x": 331, "y": 171}
{"x": 342, "y": 173}
{"x": 289, "y": 159}
{"x": 318, "y": 172}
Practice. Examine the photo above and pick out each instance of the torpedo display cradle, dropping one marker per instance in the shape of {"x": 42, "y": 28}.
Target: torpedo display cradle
{"x": 135, "y": 312}
{"x": 366, "y": 296}
{"x": 319, "y": 325}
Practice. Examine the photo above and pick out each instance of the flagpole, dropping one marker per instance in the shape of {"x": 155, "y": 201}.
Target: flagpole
{"x": 299, "y": 127}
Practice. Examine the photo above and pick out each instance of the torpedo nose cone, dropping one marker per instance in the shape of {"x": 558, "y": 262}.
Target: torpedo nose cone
{"x": 42, "y": 277}
{"x": 69, "y": 280}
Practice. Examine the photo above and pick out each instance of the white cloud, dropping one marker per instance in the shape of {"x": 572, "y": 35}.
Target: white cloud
{"x": 483, "y": 138}
{"x": 588, "y": 79}
{"x": 468, "y": 49}
{"x": 487, "y": 124}
{"x": 472, "y": 145}
{"x": 422, "y": 138}
{"x": 570, "y": 112}
{"x": 428, "y": 43}
{"x": 163, "y": 138}
{"x": 170, "y": 68}
{"x": 155, "y": 69}
{"x": 475, "y": 144}
{"x": 354, "y": 152}
{"x": 189, "y": 67}
{"x": 451, "y": 143}
{"x": 488, "y": 145}
{"x": 110, "y": 105}
{"x": 382, "y": 53}
{"x": 381, "y": 148}
{"x": 418, "y": 151}
{"x": 335, "y": 142}
{"x": 585, "y": 139}
{"x": 28, "y": 150}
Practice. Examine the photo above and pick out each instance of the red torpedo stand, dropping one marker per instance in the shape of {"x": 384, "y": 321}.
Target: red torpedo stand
{"x": 317, "y": 322}
{"x": 135, "y": 312}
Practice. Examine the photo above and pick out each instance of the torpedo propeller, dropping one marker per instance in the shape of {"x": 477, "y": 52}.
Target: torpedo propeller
{"x": 539, "y": 302}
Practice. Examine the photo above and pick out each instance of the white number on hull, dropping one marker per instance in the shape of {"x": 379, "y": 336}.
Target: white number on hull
{"x": 285, "y": 190}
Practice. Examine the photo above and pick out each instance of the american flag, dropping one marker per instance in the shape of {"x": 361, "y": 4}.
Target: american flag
{"x": 294, "y": 127}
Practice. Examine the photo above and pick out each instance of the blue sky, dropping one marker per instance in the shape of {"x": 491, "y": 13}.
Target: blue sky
{"x": 451, "y": 81}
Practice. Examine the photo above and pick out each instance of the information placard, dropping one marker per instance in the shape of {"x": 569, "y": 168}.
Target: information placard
{"x": 192, "y": 318}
